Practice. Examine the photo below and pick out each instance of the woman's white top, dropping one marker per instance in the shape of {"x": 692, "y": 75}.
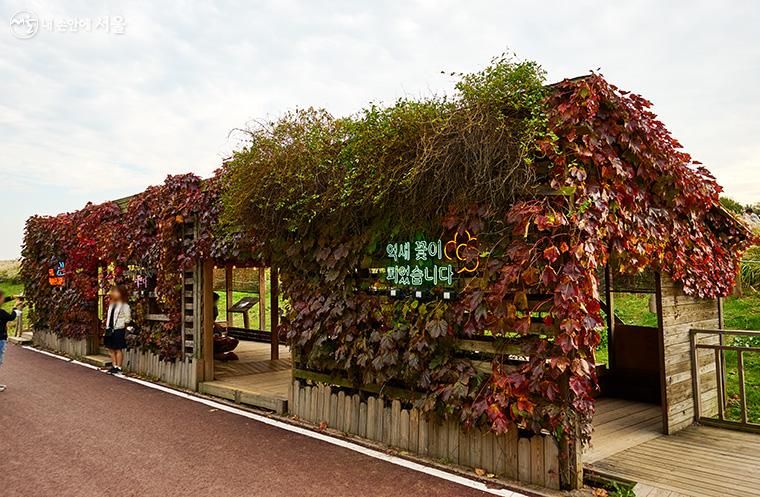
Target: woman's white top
{"x": 122, "y": 315}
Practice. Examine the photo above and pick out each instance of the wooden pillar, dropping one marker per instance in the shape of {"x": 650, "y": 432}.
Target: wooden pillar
{"x": 275, "y": 310}
{"x": 571, "y": 460}
{"x": 570, "y": 446}
{"x": 678, "y": 314}
{"x": 207, "y": 285}
{"x": 262, "y": 299}
{"x": 610, "y": 296}
{"x": 228, "y": 294}
{"x": 721, "y": 341}
{"x": 658, "y": 293}
{"x": 20, "y": 326}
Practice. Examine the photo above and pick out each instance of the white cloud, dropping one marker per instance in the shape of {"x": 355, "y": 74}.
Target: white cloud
{"x": 103, "y": 115}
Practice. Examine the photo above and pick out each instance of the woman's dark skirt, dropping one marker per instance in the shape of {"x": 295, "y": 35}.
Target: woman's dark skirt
{"x": 117, "y": 341}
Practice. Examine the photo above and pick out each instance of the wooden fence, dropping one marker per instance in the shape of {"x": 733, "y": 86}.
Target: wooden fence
{"x": 531, "y": 459}
{"x": 182, "y": 372}
{"x": 67, "y": 346}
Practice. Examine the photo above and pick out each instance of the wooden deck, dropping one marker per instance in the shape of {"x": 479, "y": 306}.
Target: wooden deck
{"x": 699, "y": 461}
{"x": 254, "y": 379}
{"x": 620, "y": 425}
{"x": 254, "y": 359}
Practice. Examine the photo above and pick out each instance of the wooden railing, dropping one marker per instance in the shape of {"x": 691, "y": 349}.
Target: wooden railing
{"x": 480, "y": 350}
{"x": 723, "y": 418}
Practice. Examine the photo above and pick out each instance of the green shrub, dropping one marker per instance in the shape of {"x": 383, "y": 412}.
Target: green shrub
{"x": 9, "y": 272}
{"x": 750, "y": 268}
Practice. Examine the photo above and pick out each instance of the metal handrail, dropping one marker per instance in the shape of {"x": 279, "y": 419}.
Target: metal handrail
{"x": 720, "y": 365}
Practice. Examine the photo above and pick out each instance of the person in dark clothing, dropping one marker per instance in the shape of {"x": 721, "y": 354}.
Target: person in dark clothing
{"x": 5, "y": 318}
{"x": 223, "y": 343}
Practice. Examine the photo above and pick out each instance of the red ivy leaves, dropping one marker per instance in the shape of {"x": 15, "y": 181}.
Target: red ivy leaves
{"x": 634, "y": 192}
{"x": 150, "y": 234}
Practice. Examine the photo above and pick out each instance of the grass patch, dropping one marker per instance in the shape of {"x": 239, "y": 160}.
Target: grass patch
{"x": 237, "y": 318}
{"x": 633, "y": 308}
{"x": 10, "y": 289}
{"x": 10, "y": 281}
{"x": 751, "y": 386}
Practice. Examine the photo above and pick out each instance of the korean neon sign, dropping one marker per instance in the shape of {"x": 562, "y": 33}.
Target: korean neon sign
{"x": 436, "y": 263}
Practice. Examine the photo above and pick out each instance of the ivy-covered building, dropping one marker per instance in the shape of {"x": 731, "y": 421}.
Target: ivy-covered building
{"x": 442, "y": 271}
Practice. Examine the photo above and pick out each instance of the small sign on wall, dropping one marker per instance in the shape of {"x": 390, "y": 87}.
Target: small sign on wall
{"x": 56, "y": 274}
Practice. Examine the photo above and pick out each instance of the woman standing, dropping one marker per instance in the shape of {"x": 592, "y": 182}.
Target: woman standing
{"x": 119, "y": 315}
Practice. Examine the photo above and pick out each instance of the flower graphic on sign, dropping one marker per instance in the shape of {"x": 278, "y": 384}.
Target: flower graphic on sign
{"x": 56, "y": 274}
{"x": 463, "y": 249}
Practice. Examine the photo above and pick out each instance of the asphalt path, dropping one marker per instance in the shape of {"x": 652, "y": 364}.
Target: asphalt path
{"x": 66, "y": 430}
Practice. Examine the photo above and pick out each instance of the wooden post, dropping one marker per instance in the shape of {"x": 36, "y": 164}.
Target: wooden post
{"x": 262, "y": 299}
{"x": 721, "y": 341}
{"x": 228, "y": 295}
{"x": 661, "y": 350}
{"x": 207, "y": 285}
{"x": 610, "y": 296}
{"x": 570, "y": 460}
{"x": 20, "y": 325}
{"x": 275, "y": 308}
{"x": 742, "y": 388}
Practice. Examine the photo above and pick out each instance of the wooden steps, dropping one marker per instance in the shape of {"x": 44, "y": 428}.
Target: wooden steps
{"x": 98, "y": 360}
{"x": 25, "y": 338}
{"x": 245, "y": 391}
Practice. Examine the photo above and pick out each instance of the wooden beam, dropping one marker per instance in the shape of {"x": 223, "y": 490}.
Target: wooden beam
{"x": 275, "y": 309}
{"x": 493, "y": 347}
{"x": 228, "y": 295}
{"x": 207, "y": 285}
{"x": 392, "y": 392}
{"x": 262, "y": 299}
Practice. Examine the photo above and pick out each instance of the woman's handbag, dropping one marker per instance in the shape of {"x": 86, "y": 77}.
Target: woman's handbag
{"x": 132, "y": 329}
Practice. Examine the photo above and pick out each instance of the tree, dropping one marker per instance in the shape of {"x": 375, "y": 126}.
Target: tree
{"x": 732, "y": 205}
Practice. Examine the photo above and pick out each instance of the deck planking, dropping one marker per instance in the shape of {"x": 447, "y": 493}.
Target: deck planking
{"x": 254, "y": 379}
{"x": 699, "y": 461}
{"x": 621, "y": 424}
{"x": 253, "y": 359}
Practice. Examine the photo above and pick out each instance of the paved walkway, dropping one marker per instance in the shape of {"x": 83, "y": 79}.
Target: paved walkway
{"x": 66, "y": 430}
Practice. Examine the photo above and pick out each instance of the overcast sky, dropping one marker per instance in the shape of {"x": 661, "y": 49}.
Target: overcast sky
{"x": 103, "y": 112}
